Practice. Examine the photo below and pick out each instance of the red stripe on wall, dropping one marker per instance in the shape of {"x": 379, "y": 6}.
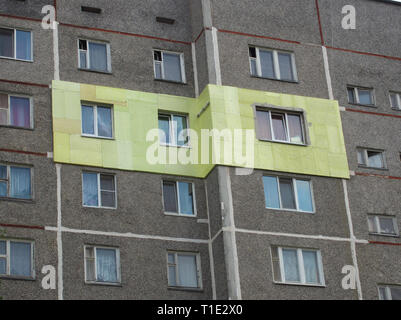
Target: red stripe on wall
{"x": 25, "y": 83}
{"x": 365, "y": 53}
{"x": 377, "y": 175}
{"x": 21, "y": 226}
{"x": 25, "y": 152}
{"x": 258, "y": 36}
{"x": 385, "y": 243}
{"x": 374, "y": 113}
{"x": 320, "y": 22}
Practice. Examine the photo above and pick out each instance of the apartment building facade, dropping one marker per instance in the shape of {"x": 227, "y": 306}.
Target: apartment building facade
{"x": 77, "y": 189}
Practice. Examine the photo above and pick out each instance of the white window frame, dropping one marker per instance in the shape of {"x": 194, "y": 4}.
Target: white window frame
{"x": 366, "y": 158}
{"x": 172, "y": 129}
{"x": 356, "y": 95}
{"x": 294, "y": 188}
{"x": 8, "y": 260}
{"x": 176, "y": 265}
{"x": 178, "y": 199}
{"x": 286, "y": 124}
{"x": 182, "y": 65}
{"x": 301, "y": 267}
{"x": 9, "y": 95}
{"x": 15, "y": 44}
{"x": 8, "y": 180}
{"x": 276, "y": 65}
{"x": 99, "y": 190}
{"x": 398, "y": 99}
{"x": 95, "y": 121}
{"x": 387, "y": 288}
{"x": 118, "y": 265}
{"x": 378, "y": 227}
{"x": 88, "y": 65}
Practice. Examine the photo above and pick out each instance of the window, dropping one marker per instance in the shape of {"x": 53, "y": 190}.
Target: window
{"x": 390, "y": 292}
{"x": 184, "y": 270}
{"x": 16, "y": 44}
{"x": 297, "y": 266}
{"x": 371, "y": 158}
{"x": 363, "y": 96}
{"x": 169, "y": 66}
{"x": 395, "y": 99}
{"x": 16, "y": 258}
{"x": 288, "y": 194}
{"x": 102, "y": 265}
{"x": 272, "y": 64}
{"x": 383, "y": 225}
{"x": 94, "y": 56}
{"x": 173, "y": 130}
{"x": 15, "y": 111}
{"x": 178, "y": 198}
{"x": 99, "y": 190}
{"x": 279, "y": 126}
{"x": 15, "y": 182}
{"x": 97, "y": 121}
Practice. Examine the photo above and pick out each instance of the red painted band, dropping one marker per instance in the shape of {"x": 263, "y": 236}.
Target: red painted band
{"x": 365, "y": 53}
{"x": 373, "y": 113}
{"x": 25, "y": 152}
{"x": 376, "y": 175}
{"x": 258, "y": 36}
{"x": 21, "y": 226}
{"x": 320, "y": 22}
{"x": 25, "y": 83}
{"x": 385, "y": 243}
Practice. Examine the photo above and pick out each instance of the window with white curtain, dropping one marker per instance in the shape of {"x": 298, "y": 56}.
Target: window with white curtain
{"x": 15, "y": 111}
{"x": 383, "y": 225}
{"x": 297, "y": 266}
{"x": 169, "y": 66}
{"x": 97, "y": 121}
{"x": 93, "y": 55}
{"x": 395, "y": 100}
{"x": 184, "y": 270}
{"x": 272, "y": 64}
{"x": 99, "y": 190}
{"x": 390, "y": 292}
{"x": 16, "y": 44}
{"x": 173, "y": 129}
{"x": 16, "y": 258}
{"x": 371, "y": 158}
{"x": 362, "y": 96}
{"x": 178, "y": 198}
{"x": 15, "y": 182}
{"x": 102, "y": 265}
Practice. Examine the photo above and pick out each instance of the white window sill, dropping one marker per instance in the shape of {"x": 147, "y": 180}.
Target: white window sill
{"x": 285, "y": 142}
{"x": 185, "y": 289}
{"x": 174, "y": 146}
{"x": 104, "y": 208}
{"x": 396, "y": 236}
{"x": 17, "y": 278}
{"x": 372, "y": 168}
{"x": 96, "y": 137}
{"x": 16, "y": 199}
{"x": 363, "y": 105}
{"x": 96, "y": 71}
{"x": 15, "y": 59}
{"x": 274, "y": 79}
{"x": 300, "y": 284}
{"x": 106, "y": 284}
{"x": 291, "y": 210}
{"x": 8, "y": 126}
{"x": 174, "y": 214}
{"x": 171, "y": 81}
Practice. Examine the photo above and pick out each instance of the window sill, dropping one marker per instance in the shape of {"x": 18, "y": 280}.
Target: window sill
{"x": 290, "y": 210}
{"x": 15, "y": 59}
{"x": 395, "y": 236}
{"x": 363, "y": 105}
{"x": 15, "y": 127}
{"x": 16, "y": 278}
{"x": 285, "y": 142}
{"x": 171, "y": 81}
{"x": 396, "y": 109}
{"x": 95, "y": 71}
{"x": 372, "y": 168}
{"x": 174, "y": 146}
{"x": 103, "y": 284}
{"x": 30, "y": 201}
{"x": 185, "y": 289}
{"x": 96, "y": 137}
{"x": 322, "y": 286}
{"x": 99, "y": 208}
{"x": 178, "y": 215}
{"x": 274, "y": 79}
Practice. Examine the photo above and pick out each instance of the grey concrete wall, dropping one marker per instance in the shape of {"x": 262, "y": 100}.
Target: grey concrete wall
{"x": 27, "y": 8}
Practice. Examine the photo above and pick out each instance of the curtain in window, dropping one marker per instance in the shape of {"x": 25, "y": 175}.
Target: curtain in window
{"x": 387, "y": 225}
{"x": 271, "y": 192}
{"x": 106, "y": 264}
{"x": 279, "y": 127}
{"x": 365, "y": 96}
{"x": 311, "y": 267}
{"x": 186, "y": 198}
{"x": 90, "y": 189}
{"x": 304, "y": 195}
{"x": 20, "y": 113}
{"x": 107, "y": 190}
{"x": 263, "y": 129}
{"x": 104, "y": 122}
{"x": 170, "y": 197}
{"x": 20, "y": 259}
{"x": 20, "y": 184}
{"x": 285, "y": 63}
{"x": 295, "y": 128}
{"x": 172, "y": 67}
{"x": 375, "y": 160}
{"x": 24, "y": 45}
{"x": 287, "y": 194}
{"x": 187, "y": 271}
{"x": 180, "y": 123}
{"x": 98, "y": 56}
{"x": 6, "y": 43}
{"x": 88, "y": 120}
{"x": 290, "y": 261}
{"x": 164, "y": 127}
{"x": 266, "y": 62}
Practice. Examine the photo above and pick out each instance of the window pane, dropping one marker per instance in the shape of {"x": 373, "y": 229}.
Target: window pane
{"x": 88, "y": 120}
{"x": 108, "y": 199}
{"x": 254, "y": 70}
{"x": 287, "y": 194}
{"x": 394, "y": 102}
{"x": 3, "y": 172}
{"x": 3, "y": 189}
{"x": 3, "y": 266}
{"x": 311, "y": 267}
{"x": 90, "y": 190}
{"x": 6, "y": 43}
{"x": 295, "y": 128}
{"x": 361, "y": 157}
{"x": 3, "y": 248}
{"x": 20, "y": 183}
{"x": 365, "y": 96}
{"x": 285, "y": 63}
{"x": 98, "y": 56}
{"x": 24, "y": 45}
{"x": 351, "y": 95}
{"x": 172, "y": 67}
{"x": 263, "y": 129}
{"x": 387, "y": 225}
{"x": 82, "y": 60}
{"x": 20, "y": 259}
{"x": 3, "y": 117}
{"x": 170, "y": 197}
{"x": 372, "y": 224}
{"x": 104, "y": 122}
{"x": 180, "y": 123}
{"x": 252, "y": 52}
{"x": 158, "y": 70}
{"x": 90, "y": 270}
{"x": 107, "y": 182}
{"x": 171, "y": 258}
{"x": 382, "y": 293}
{"x": 3, "y": 101}
{"x": 279, "y": 129}
{"x": 266, "y": 62}
{"x": 271, "y": 192}
{"x": 20, "y": 113}
{"x": 172, "y": 281}
{"x": 106, "y": 264}
{"x": 164, "y": 126}
{"x": 290, "y": 261}
{"x": 187, "y": 271}
{"x": 186, "y": 198}
{"x": 375, "y": 159}
{"x": 395, "y": 293}
{"x": 304, "y": 196}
